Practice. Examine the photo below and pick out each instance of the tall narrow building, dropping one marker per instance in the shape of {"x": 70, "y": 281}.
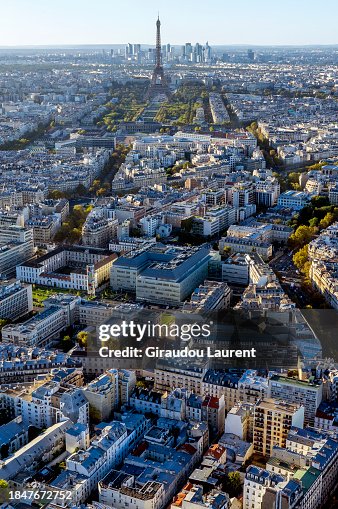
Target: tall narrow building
{"x": 273, "y": 420}
{"x": 158, "y": 85}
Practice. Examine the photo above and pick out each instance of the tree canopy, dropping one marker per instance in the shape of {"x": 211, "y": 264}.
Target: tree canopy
{"x": 233, "y": 483}
{"x": 301, "y": 260}
{"x": 301, "y": 236}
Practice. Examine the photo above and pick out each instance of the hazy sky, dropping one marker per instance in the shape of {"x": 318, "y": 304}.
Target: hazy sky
{"x": 265, "y": 22}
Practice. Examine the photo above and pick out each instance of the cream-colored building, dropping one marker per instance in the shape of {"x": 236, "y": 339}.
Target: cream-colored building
{"x": 98, "y": 231}
{"x": 70, "y": 267}
{"x": 272, "y": 422}
{"x": 246, "y": 245}
{"x": 103, "y": 395}
{"x": 169, "y": 377}
{"x": 239, "y": 421}
{"x": 44, "y": 229}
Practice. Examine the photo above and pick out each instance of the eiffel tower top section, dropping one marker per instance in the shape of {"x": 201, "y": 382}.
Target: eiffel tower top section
{"x": 158, "y": 43}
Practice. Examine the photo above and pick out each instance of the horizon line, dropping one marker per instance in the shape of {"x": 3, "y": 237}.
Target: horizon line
{"x": 75, "y": 45}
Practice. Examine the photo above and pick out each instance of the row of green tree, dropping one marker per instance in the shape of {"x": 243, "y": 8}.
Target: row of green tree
{"x": 23, "y": 142}
{"x": 128, "y": 105}
{"x": 181, "y": 109}
{"x": 101, "y": 185}
{"x": 71, "y": 229}
{"x": 269, "y": 152}
{"x": 313, "y": 218}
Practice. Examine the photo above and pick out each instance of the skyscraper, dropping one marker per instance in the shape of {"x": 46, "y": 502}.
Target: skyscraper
{"x": 188, "y": 50}
{"x": 251, "y": 55}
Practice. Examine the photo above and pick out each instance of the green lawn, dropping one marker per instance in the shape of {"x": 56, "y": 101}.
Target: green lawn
{"x": 41, "y": 293}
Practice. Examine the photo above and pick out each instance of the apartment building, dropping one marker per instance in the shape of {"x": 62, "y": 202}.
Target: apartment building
{"x": 213, "y": 412}
{"x": 59, "y": 313}
{"x": 104, "y": 453}
{"x": 307, "y": 393}
{"x": 272, "y": 421}
{"x": 170, "y": 465}
{"x": 267, "y": 192}
{"x": 242, "y": 194}
{"x": 24, "y": 364}
{"x": 98, "y": 231}
{"x": 119, "y": 489}
{"x": 13, "y": 436}
{"x": 16, "y": 299}
{"x": 266, "y": 489}
{"x": 323, "y": 254}
{"x": 77, "y": 438}
{"x": 86, "y": 467}
{"x": 267, "y": 232}
{"x": 44, "y": 229}
{"x": 168, "y": 376}
{"x": 217, "y": 383}
{"x": 209, "y": 409}
{"x": 167, "y": 404}
{"x": 39, "y": 330}
{"x": 127, "y": 383}
{"x": 239, "y": 421}
{"x": 216, "y": 220}
{"x": 103, "y": 395}
{"x": 252, "y": 387}
{"x": 192, "y": 497}
{"x": 43, "y": 448}
{"x": 235, "y": 269}
{"x": 321, "y": 452}
{"x": 246, "y": 245}
{"x": 16, "y": 246}
{"x": 210, "y": 296}
{"x": 43, "y": 403}
{"x": 264, "y": 290}
{"x": 256, "y": 482}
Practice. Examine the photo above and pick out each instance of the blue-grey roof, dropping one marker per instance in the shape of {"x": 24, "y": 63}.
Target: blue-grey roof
{"x": 10, "y": 430}
{"x": 77, "y": 429}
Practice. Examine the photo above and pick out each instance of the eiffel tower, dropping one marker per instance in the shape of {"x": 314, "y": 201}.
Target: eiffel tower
{"x": 158, "y": 84}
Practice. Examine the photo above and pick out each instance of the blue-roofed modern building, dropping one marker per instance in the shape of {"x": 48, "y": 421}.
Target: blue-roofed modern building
{"x": 163, "y": 275}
